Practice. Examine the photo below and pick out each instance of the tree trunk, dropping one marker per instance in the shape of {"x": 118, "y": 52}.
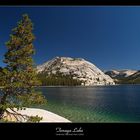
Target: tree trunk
{"x": 2, "y": 102}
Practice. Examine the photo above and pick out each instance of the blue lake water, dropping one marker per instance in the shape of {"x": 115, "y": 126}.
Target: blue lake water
{"x": 119, "y": 103}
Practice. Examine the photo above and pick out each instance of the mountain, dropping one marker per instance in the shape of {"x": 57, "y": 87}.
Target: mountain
{"x": 125, "y": 76}
{"x": 120, "y": 73}
{"x": 77, "y": 68}
{"x": 132, "y": 79}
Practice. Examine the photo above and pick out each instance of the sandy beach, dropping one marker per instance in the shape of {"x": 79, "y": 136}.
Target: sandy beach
{"x": 46, "y": 115}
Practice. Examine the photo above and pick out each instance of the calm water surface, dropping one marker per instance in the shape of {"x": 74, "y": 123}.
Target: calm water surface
{"x": 119, "y": 103}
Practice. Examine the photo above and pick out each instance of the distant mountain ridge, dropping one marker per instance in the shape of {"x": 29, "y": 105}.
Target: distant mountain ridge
{"x": 132, "y": 79}
{"x": 78, "y": 68}
{"x": 120, "y": 73}
{"x": 125, "y": 76}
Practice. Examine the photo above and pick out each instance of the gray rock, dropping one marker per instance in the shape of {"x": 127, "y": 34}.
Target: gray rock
{"x": 79, "y": 68}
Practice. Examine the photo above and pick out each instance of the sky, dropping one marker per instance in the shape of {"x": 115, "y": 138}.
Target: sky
{"x": 107, "y": 36}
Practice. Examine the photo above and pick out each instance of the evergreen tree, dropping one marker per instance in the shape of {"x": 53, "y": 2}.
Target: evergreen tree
{"x": 57, "y": 79}
{"x": 19, "y": 75}
{"x": 1, "y": 76}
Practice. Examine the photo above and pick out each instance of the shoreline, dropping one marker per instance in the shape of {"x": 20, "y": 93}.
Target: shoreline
{"x": 86, "y": 86}
{"x": 82, "y": 86}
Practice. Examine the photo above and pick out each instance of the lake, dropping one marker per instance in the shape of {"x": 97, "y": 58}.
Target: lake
{"x": 119, "y": 103}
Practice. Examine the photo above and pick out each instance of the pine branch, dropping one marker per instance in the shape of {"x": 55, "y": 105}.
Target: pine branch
{"x": 16, "y": 115}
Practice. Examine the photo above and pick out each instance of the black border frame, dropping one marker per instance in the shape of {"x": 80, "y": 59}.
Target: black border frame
{"x": 69, "y": 2}
{"x": 44, "y": 130}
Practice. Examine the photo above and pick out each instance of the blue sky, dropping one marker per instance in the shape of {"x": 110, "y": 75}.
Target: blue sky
{"x": 109, "y": 37}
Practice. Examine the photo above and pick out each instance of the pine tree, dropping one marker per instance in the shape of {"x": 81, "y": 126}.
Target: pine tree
{"x": 1, "y": 76}
{"x": 19, "y": 76}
